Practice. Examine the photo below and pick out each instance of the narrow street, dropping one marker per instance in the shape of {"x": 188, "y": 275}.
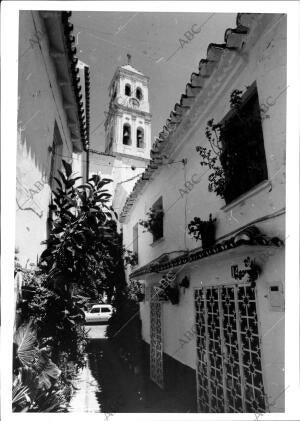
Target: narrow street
{"x": 105, "y": 384}
{"x": 85, "y": 399}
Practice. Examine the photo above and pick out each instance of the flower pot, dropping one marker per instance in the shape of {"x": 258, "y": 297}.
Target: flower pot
{"x": 172, "y": 294}
{"x": 208, "y": 235}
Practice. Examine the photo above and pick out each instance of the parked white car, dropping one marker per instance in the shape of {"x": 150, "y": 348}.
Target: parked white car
{"x": 99, "y": 313}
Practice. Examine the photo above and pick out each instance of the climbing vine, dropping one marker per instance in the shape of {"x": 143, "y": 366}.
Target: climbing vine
{"x": 235, "y": 154}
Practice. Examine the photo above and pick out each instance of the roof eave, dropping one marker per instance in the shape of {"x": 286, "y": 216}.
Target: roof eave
{"x": 250, "y": 237}
{"x": 63, "y": 53}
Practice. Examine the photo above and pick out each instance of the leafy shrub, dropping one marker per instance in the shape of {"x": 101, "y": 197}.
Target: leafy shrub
{"x": 37, "y": 386}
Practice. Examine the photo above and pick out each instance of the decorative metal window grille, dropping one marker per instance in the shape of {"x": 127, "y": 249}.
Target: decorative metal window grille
{"x": 156, "y": 344}
{"x": 229, "y": 369}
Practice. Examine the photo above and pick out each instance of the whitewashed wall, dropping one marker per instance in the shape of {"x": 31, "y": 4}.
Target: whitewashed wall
{"x": 266, "y": 64}
{"x": 39, "y": 106}
{"x": 269, "y": 73}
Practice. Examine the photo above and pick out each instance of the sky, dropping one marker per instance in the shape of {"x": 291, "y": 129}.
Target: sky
{"x": 159, "y": 48}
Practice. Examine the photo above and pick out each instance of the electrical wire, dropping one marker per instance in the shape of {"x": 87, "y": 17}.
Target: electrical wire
{"x": 133, "y": 167}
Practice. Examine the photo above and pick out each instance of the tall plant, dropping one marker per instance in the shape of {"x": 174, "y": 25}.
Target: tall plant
{"x": 82, "y": 235}
{"x": 82, "y": 259}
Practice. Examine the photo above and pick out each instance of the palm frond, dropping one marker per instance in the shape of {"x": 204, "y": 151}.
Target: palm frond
{"x": 25, "y": 339}
{"x": 29, "y": 379}
{"x": 20, "y": 397}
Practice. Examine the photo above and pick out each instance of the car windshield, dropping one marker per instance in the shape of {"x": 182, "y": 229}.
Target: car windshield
{"x": 95, "y": 310}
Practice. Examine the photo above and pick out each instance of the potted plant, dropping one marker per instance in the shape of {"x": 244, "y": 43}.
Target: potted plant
{"x": 136, "y": 291}
{"x": 204, "y": 230}
{"x": 153, "y": 223}
{"x": 130, "y": 258}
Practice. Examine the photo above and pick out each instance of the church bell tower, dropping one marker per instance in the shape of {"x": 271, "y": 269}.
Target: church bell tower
{"x": 128, "y": 129}
{"x": 128, "y": 122}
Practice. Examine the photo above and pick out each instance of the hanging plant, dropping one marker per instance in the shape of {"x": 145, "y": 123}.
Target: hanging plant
{"x": 154, "y": 222}
{"x": 130, "y": 258}
{"x": 204, "y": 230}
{"x": 136, "y": 291}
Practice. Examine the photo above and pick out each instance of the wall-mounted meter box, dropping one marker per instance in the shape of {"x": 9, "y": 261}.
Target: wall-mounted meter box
{"x": 276, "y": 297}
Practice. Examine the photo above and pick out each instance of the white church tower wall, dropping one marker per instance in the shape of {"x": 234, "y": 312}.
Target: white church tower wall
{"x": 128, "y": 129}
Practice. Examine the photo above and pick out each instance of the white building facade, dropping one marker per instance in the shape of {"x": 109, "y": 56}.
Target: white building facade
{"x": 53, "y": 121}
{"x": 216, "y": 345}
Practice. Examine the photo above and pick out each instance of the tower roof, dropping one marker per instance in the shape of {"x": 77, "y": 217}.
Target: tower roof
{"x": 131, "y": 69}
